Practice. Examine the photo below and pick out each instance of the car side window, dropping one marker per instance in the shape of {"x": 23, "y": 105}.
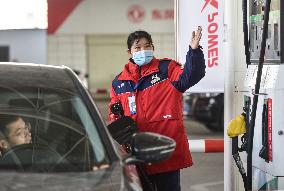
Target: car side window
{"x": 64, "y": 136}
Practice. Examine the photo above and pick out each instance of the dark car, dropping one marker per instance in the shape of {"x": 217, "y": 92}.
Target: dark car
{"x": 209, "y": 109}
{"x": 70, "y": 148}
{"x": 189, "y": 100}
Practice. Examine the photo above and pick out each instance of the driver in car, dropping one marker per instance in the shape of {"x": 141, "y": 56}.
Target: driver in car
{"x": 13, "y": 131}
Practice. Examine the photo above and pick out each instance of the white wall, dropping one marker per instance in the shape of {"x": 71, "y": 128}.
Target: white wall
{"x": 69, "y": 50}
{"x": 27, "y": 45}
{"x": 67, "y": 46}
{"x": 111, "y": 17}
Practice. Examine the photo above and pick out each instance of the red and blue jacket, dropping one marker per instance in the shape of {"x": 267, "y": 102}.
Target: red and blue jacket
{"x": 152, "y": 96}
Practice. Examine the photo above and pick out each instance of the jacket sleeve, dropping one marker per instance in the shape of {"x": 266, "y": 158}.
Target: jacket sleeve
{"x": 113, "y": 99}
{"x": 191, "y": 74}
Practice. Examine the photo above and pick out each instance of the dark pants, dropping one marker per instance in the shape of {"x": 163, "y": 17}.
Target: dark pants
{"x": 168, "y": 181}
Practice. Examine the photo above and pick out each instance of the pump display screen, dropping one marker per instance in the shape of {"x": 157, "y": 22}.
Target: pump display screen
{"x": 273, "y": 53}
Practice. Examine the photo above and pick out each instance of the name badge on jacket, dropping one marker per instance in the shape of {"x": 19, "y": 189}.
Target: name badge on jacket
{"x": 132, "y": 105}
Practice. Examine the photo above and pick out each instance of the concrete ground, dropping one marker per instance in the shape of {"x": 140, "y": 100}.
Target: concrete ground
{"x": 207, "y": 173}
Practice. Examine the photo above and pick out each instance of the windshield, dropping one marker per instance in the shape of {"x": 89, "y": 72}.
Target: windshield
{"x": 47, "y": 130}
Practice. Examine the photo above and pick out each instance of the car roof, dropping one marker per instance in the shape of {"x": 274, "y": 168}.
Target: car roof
{"x": 36, "y": 75}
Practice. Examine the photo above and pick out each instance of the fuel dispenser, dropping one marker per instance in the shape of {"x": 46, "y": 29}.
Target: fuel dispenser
{"x": 263, "y": 141}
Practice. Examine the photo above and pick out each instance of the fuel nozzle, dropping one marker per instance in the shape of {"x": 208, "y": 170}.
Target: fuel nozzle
{"x": 124, "y": 127}
{"x": 117, "y": 109}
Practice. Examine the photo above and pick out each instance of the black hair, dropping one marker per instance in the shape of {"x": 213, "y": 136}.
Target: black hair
{"x": 137, "y": 35}
{"x": 6, "y": 120}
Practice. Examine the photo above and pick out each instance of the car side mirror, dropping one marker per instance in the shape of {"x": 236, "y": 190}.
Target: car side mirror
{"x": 150, "y": 148}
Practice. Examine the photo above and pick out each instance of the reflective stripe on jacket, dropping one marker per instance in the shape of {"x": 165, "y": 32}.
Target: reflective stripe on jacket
{"x": 157, "y": 90}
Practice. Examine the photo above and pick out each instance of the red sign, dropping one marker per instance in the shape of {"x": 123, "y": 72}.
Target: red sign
{"x": 269, "y": 123}
{"x": 210, "y": 16}
{"x": 213, "y": 3}
{"x": 136, "y": 13}
{"x": 212, "y": 28}
{"x": 167, "y": 14}
{"x": 58, "y": 11}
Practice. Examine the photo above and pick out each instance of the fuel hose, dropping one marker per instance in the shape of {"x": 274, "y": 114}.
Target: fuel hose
{"x": 256, "y": 93}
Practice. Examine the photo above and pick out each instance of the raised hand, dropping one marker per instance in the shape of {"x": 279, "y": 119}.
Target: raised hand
{"x": 196, "y": 36}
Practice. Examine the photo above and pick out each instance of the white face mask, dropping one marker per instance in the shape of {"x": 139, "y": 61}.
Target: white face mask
{"x": 143, "y": 57}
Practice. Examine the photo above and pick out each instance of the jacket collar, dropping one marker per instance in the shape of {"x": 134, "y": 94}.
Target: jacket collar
{"x": 133, "y": 72}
